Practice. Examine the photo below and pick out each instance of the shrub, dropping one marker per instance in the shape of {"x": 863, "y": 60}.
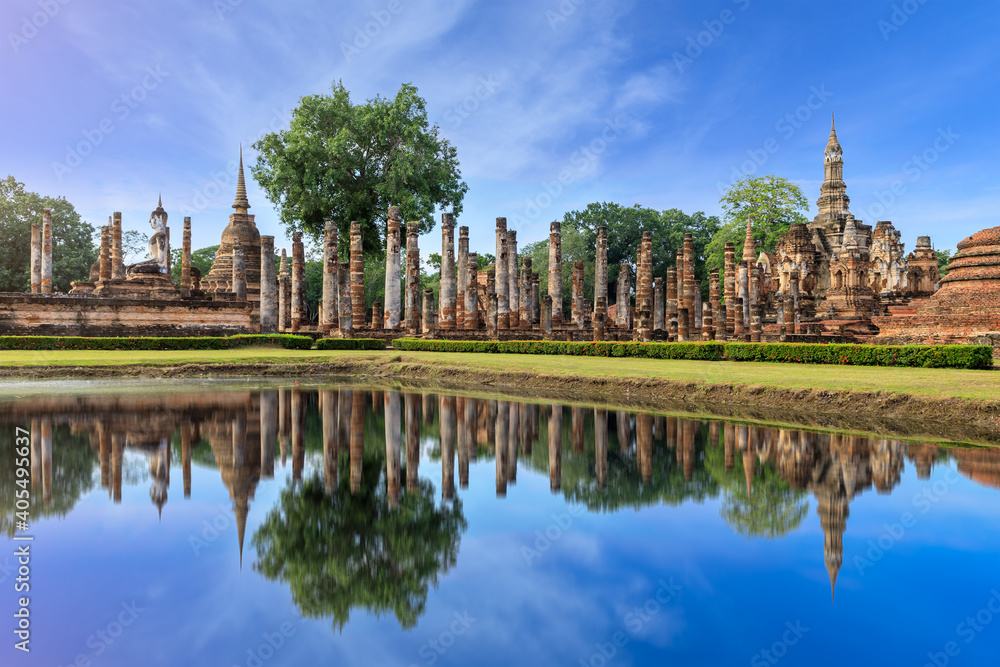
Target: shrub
{"x": 706, "y": 351}
{"x": 350, "y": 344}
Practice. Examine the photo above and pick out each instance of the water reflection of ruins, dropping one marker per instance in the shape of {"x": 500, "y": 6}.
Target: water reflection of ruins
{"x": 604, "y": 459}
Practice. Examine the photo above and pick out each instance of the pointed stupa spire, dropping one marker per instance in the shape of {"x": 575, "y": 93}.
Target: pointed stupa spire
{"x": 160, "y": 203}
{"x": 833, "y": 570}
{"x": 241, "y": 204}
{"x": 833, "y": 142}
{"x": 749, "y": 248}
{"x": 241, "y": 510}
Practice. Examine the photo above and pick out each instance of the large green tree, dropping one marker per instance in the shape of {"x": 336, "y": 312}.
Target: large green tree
{"x": 350, "y": 162}
{"x": 73, "y": 248}
{"x": 772, "y": 204}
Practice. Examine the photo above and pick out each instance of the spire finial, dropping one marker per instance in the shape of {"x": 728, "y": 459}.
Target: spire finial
{"x": 160, "y": 203}
{"x": 241, "y": 204}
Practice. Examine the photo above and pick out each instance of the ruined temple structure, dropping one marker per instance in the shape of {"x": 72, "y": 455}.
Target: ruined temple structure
{"x": 847, "y": 271}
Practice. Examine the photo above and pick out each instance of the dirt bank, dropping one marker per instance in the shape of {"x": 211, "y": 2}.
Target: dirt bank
{"x": 915, "y": 416}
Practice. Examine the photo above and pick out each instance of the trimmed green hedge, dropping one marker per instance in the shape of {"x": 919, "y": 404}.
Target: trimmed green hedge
{"x": 286, "y": 341}
{"x": 926, "y": 356}
{"x": 350, "y": 344}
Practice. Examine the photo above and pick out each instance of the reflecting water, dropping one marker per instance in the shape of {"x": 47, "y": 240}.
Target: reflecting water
{"x": 302, "y": 526}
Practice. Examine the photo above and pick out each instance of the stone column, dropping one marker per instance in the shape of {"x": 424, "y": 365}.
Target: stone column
{"x": 105, "y": 258}
{"x": 447, "y": 291}
{"x": 755, "y": 325}
{"x": 546, "y": 316}
{"x": 743, "y": 289}
{"x": 502, "y": 286}
{"x": 555, "y": 272}
{"x": 729, "y": 276}
{"x": 682, "y": 325}
{"x": 412, "y": 279}
{"x": 739, "y": 324}
{"x": 357, "y": 278}
{"x": 697, "y": 308}
{"x": 671, "y": 306}
{"x": 524, "y": 300}
{"x": 600, "y": 315}
{"x": 393, "y": 278}
{"x": 793, "y": 296}
{"x": 298, "y": 281}
{"x": 787, "y": 314}
{"x": 185, "y": 256}
{"x": 329, "y": 317}
{"x": 681, "y": 296}
{"x": 36, "y": 258}
{"x": 268, "y": 287}
{"x": 428, "y": 313}
{"x": 471, "y": 295}
{"x": 463, "y": 277}
{"x": 513, "y": 288}
{"x": 491, "y": 315}
{"x": 284, "y": 294}
{"x": 46, "y": 251}
{"x": 577, "y": 296}
{"x": 707, "y": 327}
{"x": 691, "y": 300}
{"x": 659, "y": 312}
{"x": 344, "y": 303}
{"x": 713, "y": 296}
{"x": 719, "y": 321}
{"x": 536, "y": 304}
{"x": 117, "y": 265}
{"x": 622, "y": 305}
{"x": 601, "y": 267}
{"x": 239, "y": 272}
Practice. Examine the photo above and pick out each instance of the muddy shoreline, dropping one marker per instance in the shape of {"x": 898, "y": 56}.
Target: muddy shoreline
{"x": 912, "y": 416}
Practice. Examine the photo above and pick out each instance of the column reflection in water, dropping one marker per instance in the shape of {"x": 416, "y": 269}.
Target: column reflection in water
{"x": 393, "y": 431}
{"x": 576, "y": 415}
{"x": 729, "y": 439}
{"x": 357, "y": 438}
{"x": 412, "y": 441}
{"x": 644, "y": 445}
{"x": 298, "y": 410}
{"x": 464, "y": 438}
{"x": 555, "y": 447}
{"x": 187, "y": 431}
{"x": 117, "y": 454}
{"x": 330, "y": 403}
{"x": 690, "y": 432}
{"x": 268, "y": 431}
{"x": 623, "y": 420}
{"x": 524, "y": 428}
{"x": 500, "y": 444}
{"x": 104, "y": 445}
{"x": 446, "y": 430}
{"x": 46, "y": 460}
{"x": 512, "y": 427}
{"x": 284, "y": 422}
{"x": 601, "y": 447}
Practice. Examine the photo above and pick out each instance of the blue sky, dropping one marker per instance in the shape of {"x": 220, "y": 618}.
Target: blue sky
{"x": 656, "y": 103}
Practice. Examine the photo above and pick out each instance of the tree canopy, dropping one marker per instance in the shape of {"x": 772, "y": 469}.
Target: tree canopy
{"x": 350, "y": 162}
{"x": 73, "y": 248}
{"x": 772, "y": 203}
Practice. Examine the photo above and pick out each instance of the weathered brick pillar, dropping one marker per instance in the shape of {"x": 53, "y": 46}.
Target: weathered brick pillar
{"x": 786, "y": 317}
{"x": 719, "y": 320}
{"x": 329, "y": 318}
{"x": 298, "y": 281}
{"x": 707, "y": 328}
{"x": 491, "y": 315}
{"x": 659, "y": 311}
{"x": 46, "y": 251}
{"x": 36, "y": 258}
{"x": 755, "y": 286}
{"x": 755, "y": 314}
{"x": 743, "y": 290}
{"x": 793, "y": 297}
{"x": 344, "y": 303}
{"x": 376, "y": 323}
{"x": 697, "y": 308}
{"x": 672, "y": 326}
{"x": 239, "y": 271}
{"x": 471, "y": 296}
{"x": 393, "y": 279}
{"x": 463, "y": 277}
{"x": 447, "y": 289}
{"x": 546, "y": 315}
{"x": 555, "y": 272}
{"x": 729, "y": 276}
{"x": 681, "y": 297}
{"x": 284, "y": 294}
{"x": 671, "y": 305}
{"x": 428, "y": 325}
{"x": 644, "y": 282}
{"x": 524, "y": 298}
{"x": 682, "y": 325}
{"x": 713, "y": 290}
{"x": 739, "y": 325}
{"x": 268, "y": 288}
{"x": 502, "y": 286}
{"x": 600, "y": 315}
{"x": 412, "y": 279}
{"x": 691, "y": 300}
{"x": 117, "y": 265}
{"x": 622, "y": 304}
{"x": 105, "y": 258}
{"x": 536, "y": 304}
{"x": 577, "y": 296}
{"x": 601, "y": 267}
{"x": 357, "y": 278}
{"x": 185, "y": 257}
{"x": 513, "y": 279}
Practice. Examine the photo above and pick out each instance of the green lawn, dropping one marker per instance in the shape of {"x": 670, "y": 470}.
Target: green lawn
{"x": 917, "y": 381}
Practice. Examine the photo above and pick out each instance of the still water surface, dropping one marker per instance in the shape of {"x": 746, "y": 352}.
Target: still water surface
{"x": 351, "y": 526}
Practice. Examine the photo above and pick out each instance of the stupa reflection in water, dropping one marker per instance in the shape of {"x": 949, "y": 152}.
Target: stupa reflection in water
{"x": 360, "y": 500}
